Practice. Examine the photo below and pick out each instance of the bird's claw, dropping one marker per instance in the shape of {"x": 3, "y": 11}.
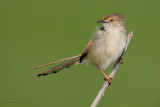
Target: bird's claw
{"x": 120, "y": 60}
{"x": 108, "y": 79}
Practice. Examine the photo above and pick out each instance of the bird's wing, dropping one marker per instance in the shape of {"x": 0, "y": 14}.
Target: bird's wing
{"x": 85, "y": 51}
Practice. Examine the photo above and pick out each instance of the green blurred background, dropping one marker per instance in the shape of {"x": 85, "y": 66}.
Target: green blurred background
{"x": 35, "y": 32}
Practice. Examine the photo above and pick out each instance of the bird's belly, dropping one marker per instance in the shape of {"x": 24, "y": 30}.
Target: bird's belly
{"x": 103, "y": 58}
{"x": 105, "y": 53}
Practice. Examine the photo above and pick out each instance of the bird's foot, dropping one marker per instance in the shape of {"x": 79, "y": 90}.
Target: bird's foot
{"x": 108, "y": 79}
{"x": 120, "y": 60}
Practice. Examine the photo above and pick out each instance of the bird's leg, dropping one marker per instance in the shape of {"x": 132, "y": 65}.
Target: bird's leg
{"x": 107, "y": 78}
{"x": 120, "y": 59}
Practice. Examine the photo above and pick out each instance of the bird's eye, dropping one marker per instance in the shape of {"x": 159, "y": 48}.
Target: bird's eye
{"x": 111, "y": 20}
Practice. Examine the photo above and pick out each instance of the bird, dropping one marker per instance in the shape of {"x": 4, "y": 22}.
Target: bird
{"x": 105, "y": 47}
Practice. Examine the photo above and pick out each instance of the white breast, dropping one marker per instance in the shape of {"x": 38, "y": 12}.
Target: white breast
{"x": 107, "y": 47}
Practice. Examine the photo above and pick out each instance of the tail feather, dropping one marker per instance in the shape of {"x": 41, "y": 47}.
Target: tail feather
{"x": 59, "y": 67}
{"x": 73, "y": 57}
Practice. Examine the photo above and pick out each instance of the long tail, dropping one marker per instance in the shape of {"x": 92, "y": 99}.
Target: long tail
{"x": 57, "y": 61}
{"x": 59, "y": 67}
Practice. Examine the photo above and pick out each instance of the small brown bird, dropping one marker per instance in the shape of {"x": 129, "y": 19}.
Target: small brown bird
{"x": 106, "y": 47}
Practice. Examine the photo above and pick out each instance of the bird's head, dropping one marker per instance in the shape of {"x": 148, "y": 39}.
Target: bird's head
{"x": 113, "y": 19}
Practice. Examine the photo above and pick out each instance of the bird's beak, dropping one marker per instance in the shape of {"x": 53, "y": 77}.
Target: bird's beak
{"x": 101, "y": 21}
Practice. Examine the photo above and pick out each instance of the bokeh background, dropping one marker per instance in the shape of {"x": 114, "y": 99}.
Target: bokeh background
{"x": 35, "y": 32}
